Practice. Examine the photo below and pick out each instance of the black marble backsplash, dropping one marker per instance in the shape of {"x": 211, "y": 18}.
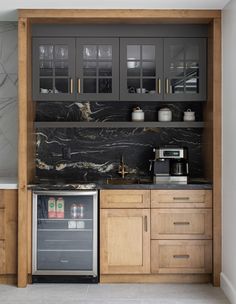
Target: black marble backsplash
{"x": 92, "y": 154}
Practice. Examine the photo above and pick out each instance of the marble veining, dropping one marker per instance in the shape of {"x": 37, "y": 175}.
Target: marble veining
{"x": 8, "y": 98}
{"x": 92, "y": 154}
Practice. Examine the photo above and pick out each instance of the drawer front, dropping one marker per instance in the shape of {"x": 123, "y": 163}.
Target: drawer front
{"x": 181, "y": 223}
{"x": 2, "y": 257}
{"x": 2, "y": 224}
{"x": 125, "y": 199}
{"x": 181, "y": 198}
{"x": 181, "y": 256}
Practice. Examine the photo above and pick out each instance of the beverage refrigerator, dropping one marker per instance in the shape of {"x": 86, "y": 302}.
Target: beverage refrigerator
{"x": 65, "y": 231}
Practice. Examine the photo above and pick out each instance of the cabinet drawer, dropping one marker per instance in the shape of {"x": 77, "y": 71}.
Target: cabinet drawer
{"x": 2, "y": 224}
{"x": 125, "y": 199}
{"x": 181, "y": 198}
{"x": 181, "y": 256}
{"x": 181, "y": 223}
{"x": 2, "y": 257}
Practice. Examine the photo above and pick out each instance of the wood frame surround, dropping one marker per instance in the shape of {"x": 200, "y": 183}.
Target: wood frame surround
{"x": 212, "y": 112}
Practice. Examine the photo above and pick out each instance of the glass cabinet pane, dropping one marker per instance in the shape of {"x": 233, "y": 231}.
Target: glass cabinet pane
{"x": 89, "y": 85}
{"x": 61, "y": 52}
{"x": 105, "y": 68}
{"x": 89, "y": 68}
{"x": 46, "y": 52}
{"x": 148, "y": 52}
{"x": 61, "y": 85}
{"x": 133, "y": 52}
{"x": 105, "y": 52}
{"x": 61, "y": 68}
{"x": 105, "y": 85}
{"x": 46, "y": 68}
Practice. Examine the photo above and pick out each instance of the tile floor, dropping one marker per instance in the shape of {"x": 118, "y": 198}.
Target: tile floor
{"x": 113, "y": 294}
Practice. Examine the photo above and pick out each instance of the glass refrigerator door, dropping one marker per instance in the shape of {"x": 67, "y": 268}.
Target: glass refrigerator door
{"x": 65, "y": 232}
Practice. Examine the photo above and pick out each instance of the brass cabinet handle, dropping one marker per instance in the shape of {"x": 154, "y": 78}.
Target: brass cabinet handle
{"x": 71, "y": 86}
{"x": 181, "y": 223}
{"x": 78, "y": 85}
{"x": 181, "y": 256}
{"x": 185, "y": 198}
{"x": 159, "y": 86}
{"x": 167, "y": 86}
{"x": 145, "y": 224}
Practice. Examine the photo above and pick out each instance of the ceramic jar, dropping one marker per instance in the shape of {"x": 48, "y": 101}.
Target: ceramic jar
{"x": 164, "y": 114}
{"x": 137, "y": 114}
{"x": 189, "y": 115}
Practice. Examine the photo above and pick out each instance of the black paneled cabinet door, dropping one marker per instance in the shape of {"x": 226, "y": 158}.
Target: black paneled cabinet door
{"x": 185, "y": 69}
{"x": 97, "y": 68}
{"x": 54, "y": 69}
{"x": 141, "y": 69}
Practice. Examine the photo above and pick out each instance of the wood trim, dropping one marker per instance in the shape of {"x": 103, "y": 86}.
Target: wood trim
{"x": 156, "y": 278}
{"x": 8, "y": 279}
{"x": 115, "y": 15}
{"x": 217, "y": 151}
{"x": 23, "y": 36}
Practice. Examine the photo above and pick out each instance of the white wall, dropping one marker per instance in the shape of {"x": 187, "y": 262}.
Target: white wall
{"x": 228, "y": 277}
{"x": 8, "y": 8}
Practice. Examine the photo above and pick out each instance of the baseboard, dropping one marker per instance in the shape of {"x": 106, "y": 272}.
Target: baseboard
{"x": 228, "y": 288}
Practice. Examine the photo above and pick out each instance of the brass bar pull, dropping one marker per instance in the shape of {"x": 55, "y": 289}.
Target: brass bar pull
{"x": 181, "y": 198}
{"x": 159, "y": 85}
{"x": 145, "y": 224}
{"x": 78, "y": 85}
{"x": 167, "y": 86}
{"x": 71, "y": 86}
{"x": 181, "y": 223}
{"x": 181, "y": 256}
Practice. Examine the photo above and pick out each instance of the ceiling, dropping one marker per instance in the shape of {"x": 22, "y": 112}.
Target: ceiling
{"x": 8, "y": 8}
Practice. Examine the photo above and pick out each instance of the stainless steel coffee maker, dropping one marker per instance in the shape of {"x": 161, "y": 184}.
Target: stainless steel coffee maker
{"x": 170, "y": 165}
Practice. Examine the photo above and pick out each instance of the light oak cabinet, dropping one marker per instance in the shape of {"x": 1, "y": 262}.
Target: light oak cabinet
{"x": 8, "y": 233}
{"x": 125, "y": 241}
{"x": 181, "y": 256}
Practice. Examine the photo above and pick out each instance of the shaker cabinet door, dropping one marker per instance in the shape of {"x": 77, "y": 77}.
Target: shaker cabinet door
{"x": 185, "y": 69}
{"x": 125, "y": 241}
{"x": 97, "y": 68}
{"x": 53, "y": 69}
{"x": 141, "y": 69}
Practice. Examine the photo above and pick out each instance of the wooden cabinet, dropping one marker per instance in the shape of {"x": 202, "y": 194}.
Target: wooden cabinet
{"x": 8, "y": 232}
{"x": 181, "y": 224}
{"x": 125, "y": 199}
{"x": 181, "y": 256}
{"x": 181, "y": 199}
{"x": 181, "y": 231}
{"x": 125, "y": 241}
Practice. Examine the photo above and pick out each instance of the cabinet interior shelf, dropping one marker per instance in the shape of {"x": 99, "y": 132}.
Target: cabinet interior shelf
{"x": 119, "y": 124}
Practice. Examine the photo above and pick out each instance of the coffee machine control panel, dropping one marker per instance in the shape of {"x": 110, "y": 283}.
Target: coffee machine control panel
{"x": 170, "y": 153}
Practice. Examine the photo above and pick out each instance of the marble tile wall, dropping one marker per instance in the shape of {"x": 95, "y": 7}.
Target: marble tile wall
{"x": 91, "y": 154}
{"x": 8, "y": 99}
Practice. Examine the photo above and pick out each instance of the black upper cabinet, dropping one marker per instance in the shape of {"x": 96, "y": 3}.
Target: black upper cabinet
{"x": 185, "y": 69}
{"x": 97, "y": 68}
{"x": 127, "y": 69}
{"x": 53, "y": 69}
{"x": 141, "y": 69}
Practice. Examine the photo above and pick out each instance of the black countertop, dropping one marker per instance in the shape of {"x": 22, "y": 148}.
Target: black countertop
{"x": 40, "y": 185}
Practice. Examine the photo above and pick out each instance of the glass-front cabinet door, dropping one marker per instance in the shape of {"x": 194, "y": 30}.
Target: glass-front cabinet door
{"x": 141, "y": 69}
{"x": 65, "y": 232}
{"x": 97, "y": 68}
{"x": 53, "y": 69}
{"x": 185, "y": 69}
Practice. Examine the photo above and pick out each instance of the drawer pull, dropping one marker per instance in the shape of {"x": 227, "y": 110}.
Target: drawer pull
{"x": 181, "y": 256}
{"x": 184, "y": 198}
{"x": 181, "y": 223}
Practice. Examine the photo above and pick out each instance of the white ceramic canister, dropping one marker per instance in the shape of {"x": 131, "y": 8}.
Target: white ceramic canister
{"x": 189, "y": 115}
{"x": 164, "y": 114}
{"x": 137, "y": 114}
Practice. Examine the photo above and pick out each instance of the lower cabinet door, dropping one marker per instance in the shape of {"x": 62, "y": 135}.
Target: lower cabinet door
{"x": 181, "y": 256}
{"x": 125, "y": 241}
